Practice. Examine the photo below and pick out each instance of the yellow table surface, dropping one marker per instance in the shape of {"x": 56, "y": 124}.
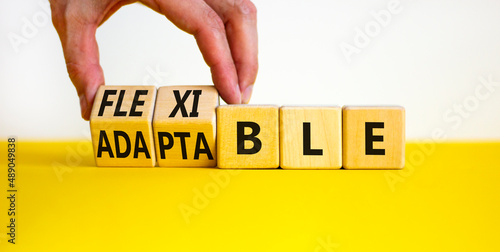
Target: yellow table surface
{"x": 446, "y": 199}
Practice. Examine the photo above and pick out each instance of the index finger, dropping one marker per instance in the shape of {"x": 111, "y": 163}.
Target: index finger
{"x": 199, "y": 19}
{"x": 240, "y": 18}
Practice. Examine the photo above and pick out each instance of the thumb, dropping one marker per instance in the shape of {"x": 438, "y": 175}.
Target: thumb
{"x": 82, "y": 60}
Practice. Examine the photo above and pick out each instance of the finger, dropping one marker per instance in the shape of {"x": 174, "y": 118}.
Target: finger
{"x": 82, "y": 60}
{"x": 81, "y": 55}
{"x": 240, "y": 18}
{"x": 199, "y": 19}
{"x": 76, "y": 23}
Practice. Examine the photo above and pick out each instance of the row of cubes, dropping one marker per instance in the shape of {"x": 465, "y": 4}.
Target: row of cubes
{"x": 184, "y": 126}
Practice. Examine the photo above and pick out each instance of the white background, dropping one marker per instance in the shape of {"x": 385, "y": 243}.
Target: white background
{"x": 429, "y": 58}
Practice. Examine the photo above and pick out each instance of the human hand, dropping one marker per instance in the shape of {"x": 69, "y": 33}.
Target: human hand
{"x": 225, "y": 31}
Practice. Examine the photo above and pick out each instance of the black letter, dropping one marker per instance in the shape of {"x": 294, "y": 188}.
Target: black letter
{"x": 241, "y": 137}
{"x": 117, "y": 144}
{"x": 136, "y": 102}
{"x": 205, "y": 150}
{"x": 194, "y": 111}
{"x": 182, "y": 136}
{"x": 307, "y": 141}
{"x": 162, "y": 146}
{"x": 101, "y": 148}
{"x": 180, "y": 103}
{"x": 144, "y": 147}
{"x": 119, "y": 104}
{"x": 105, "y": 101}
{"x": 370, "y": 138}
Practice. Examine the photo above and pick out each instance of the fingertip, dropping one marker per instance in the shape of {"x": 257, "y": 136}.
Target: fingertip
{"x": 84, "y": 107}
{"x": 230, "y": 95}
{"x": 89, "y": 95}
{"x": 246, "y": 94}
{"x": 225, "y": 80}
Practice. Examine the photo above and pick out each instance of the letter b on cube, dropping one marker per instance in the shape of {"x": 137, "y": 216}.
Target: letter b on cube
{"x": 247, "y": 136}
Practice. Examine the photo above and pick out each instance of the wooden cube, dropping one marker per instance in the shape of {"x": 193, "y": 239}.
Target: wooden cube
{"x": 185, "y": 126}
{"x": 310, "y": 137}
{"x": 120, "y": 124}
{"x": 373, "y": 137}
{"x": 247, "y": 136}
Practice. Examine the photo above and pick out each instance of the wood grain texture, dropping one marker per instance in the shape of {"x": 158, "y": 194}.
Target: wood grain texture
{"x": 228, "y": 119}
{"x": 310, "y": 137}
{"x": 197, "y": 124}
{"x": 389, "y": 137}
{"x": 125, "y": 133}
